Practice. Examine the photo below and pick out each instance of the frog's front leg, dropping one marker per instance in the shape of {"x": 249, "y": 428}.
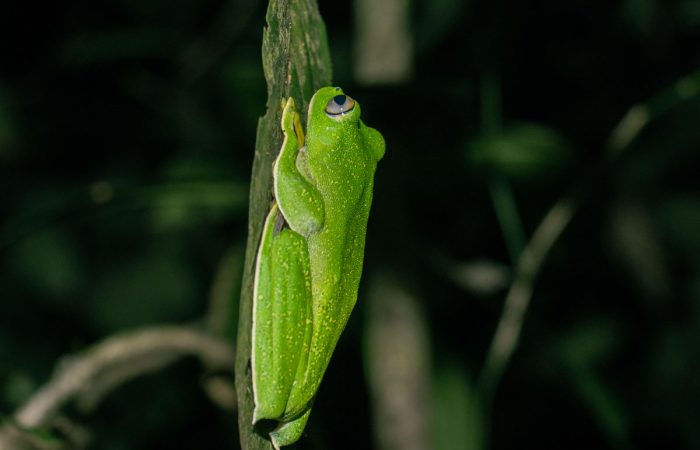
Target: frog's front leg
{"x": 298, "y": 199}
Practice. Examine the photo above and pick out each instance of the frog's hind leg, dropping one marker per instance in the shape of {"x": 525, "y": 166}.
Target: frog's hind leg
{"x": 281, "y": 316}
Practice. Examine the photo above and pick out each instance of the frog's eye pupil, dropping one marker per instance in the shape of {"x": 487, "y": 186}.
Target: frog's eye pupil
{"x": 339, "y": 105}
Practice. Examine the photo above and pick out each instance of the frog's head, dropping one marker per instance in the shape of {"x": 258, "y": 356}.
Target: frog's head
{"x": 334, "y": 116}
{"x": 331, "y": 112}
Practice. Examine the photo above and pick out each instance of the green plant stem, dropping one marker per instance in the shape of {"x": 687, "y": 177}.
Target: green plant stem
{"x": 508, "y": 216}
{"x": 518, "y": 298}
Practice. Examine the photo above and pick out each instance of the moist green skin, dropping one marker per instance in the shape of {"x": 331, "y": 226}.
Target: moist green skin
{"x": 310, "y": 258}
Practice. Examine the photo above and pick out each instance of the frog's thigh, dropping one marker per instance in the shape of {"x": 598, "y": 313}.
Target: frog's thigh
{"x": 283, "y": 307}
{"x": 291, "y": 276}
{"x": 289, "y": 432}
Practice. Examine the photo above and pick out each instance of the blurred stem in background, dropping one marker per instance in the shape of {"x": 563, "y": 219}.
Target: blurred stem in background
{"x": 639, "y": 115}
{"x": 499, "y": 187}
{"x": 508, "y": 217}
{"x": 512, "y": 230}
{"x": 383, "y": 41}
{"x": 517, "y": 300}
{"x": 398, "y": 361}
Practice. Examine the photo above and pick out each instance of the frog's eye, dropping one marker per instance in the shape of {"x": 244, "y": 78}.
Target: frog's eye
{"x": 339, "y": 105}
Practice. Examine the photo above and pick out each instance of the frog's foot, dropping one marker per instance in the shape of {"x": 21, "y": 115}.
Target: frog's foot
{"x": 289, "y": 432}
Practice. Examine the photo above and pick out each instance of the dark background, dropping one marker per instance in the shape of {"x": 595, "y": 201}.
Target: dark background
{"x": 127, "y": 131}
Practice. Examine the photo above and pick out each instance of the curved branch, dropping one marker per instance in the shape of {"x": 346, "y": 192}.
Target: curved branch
{"x": 115, "y": 361}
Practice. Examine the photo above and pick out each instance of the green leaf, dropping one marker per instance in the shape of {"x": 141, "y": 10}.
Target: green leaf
{"x": 523, "y": 152}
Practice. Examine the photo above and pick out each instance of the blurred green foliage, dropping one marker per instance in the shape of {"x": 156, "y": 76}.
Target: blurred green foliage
{"x": 127, "y": 132}
{"x": 528, "y": 152}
